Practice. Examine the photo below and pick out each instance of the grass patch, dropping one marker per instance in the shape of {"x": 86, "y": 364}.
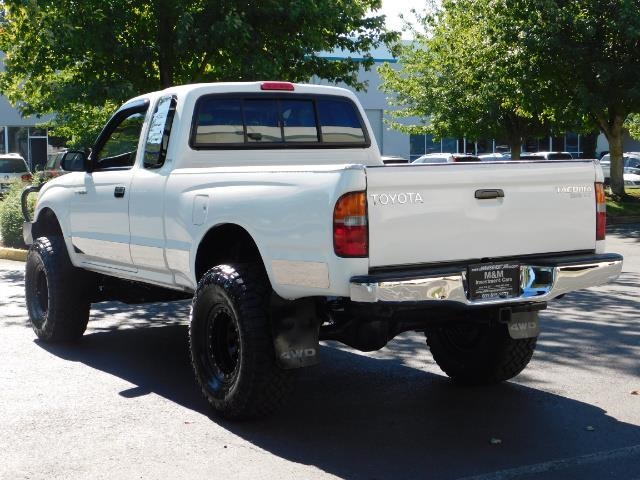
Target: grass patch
{"x": 625, "y": 209}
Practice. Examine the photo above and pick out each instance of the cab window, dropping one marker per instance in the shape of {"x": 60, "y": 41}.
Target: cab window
{"x": 272, "y": 121}
{"x": 118, "y": 151}
{"x": 155, "y": 150}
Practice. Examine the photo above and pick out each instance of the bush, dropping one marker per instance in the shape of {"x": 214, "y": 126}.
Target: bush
{"x": 11, "y": 215}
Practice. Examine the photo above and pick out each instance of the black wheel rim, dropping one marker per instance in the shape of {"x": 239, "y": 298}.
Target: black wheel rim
{"x": 221, "y": 349}
{"x": 39, "y": 296}
{"x": 42, "y": 292}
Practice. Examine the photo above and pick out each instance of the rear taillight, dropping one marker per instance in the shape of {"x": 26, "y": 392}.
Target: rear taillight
{"x": 601, "y": 212}
{"x": 27, "y": 177}
{"x": 350, "y": 226}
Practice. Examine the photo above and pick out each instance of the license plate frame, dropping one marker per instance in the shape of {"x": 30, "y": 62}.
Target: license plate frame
{"x": 493, "y": 281}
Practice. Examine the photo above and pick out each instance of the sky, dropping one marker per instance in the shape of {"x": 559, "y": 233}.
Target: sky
{"x": 392, "y": 8}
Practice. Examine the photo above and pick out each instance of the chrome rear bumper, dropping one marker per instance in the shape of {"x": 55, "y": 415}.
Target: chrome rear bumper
{"x": 541, "y": 280}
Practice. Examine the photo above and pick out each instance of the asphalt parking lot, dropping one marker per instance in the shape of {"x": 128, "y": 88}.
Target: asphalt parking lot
{"x": 123, "y": 403}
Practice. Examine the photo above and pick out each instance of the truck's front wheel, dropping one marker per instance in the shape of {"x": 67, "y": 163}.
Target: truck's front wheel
{"x": 56, "y": 292}
{"x": 479, "y": 354}
{"x": 231, "y": 343}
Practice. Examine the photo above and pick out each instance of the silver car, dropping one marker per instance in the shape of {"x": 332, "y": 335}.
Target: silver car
{"x": 12, "y": 167}
{"x": 446, "y": 158}
{"x": 631, "y": 165}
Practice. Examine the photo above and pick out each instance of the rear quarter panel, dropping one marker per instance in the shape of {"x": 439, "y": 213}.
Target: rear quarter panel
{"x": 288, "y": 212}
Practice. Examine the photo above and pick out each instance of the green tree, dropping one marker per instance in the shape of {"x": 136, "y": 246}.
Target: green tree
{"x": 79, "y": 59}
{"x": 593, "y": 51}
{"x": 633, "y": 125}
{"x": 467, "y": 76}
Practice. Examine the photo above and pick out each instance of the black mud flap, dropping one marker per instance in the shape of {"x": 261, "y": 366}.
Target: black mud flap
{"x": 296, "y": 328}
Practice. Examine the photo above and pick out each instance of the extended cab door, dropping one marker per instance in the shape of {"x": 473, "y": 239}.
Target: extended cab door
{"x": 99, "y": 214}
{"x": 147, "y": 199}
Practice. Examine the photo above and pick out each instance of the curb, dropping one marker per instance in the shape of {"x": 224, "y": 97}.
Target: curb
{"x": 15, "y": 254}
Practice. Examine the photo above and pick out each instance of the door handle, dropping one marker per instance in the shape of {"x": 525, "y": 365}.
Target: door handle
{"x": 488, "y": 194}
{"x": 119, "y": 192}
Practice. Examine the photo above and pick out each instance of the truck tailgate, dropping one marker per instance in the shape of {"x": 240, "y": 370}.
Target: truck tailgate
{"x": 430, "y": 213}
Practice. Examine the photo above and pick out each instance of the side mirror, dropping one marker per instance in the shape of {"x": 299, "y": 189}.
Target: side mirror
{"x": 74, "y": 161}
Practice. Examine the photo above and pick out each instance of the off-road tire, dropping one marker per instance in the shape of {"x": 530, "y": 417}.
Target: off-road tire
{"x": 56, "y": 292}
{"x": 231, "y": 343}
{"x": 479, "y": 354}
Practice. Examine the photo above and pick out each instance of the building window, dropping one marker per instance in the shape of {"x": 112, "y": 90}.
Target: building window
{"x": 450, "y": 145}
{"x": 484, "y": 146}
{"x": 19, "y": 141}
{"x": 532, "y": 145}
{"x": 3, "y": 137}
{"x": 572, "y": 144}
{"x": 557, "y": 144}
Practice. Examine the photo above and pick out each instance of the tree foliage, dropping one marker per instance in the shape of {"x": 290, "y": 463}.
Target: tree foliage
{"x": 78, "y": 59}
{"x": 505, "y": 68}
{"x": 469, "y": 76}
{"x": 594, "y": 50}
{"x": 633, "y": 125}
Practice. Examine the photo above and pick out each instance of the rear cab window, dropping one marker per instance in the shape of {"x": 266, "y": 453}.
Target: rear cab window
{"x": 223, "y": 121}
{"x": 13, "y": 165}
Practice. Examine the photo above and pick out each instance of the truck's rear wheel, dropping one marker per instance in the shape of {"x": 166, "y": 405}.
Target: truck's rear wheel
{"x": 479, "y": 354}
{"x": 231, "y": 343}
{"x": 56, "y": 292}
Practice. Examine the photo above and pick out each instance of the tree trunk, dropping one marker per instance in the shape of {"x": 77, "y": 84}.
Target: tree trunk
{"x": 615, "y": 136}
{"x": 516, "y": 148}
{"x": 166, "y": 44}
{"x": 589, "y": 143}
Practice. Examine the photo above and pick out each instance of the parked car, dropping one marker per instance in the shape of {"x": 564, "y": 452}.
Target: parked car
{"x": 494, "y": 157}
{"x": 446, "y": 158}
{"x": 12, "y": 166}
{"x": 546, "y": 156}
{"x": 631, "y": 164}
{"x": 53, "y": 168}
{"x": 632, "y": 180}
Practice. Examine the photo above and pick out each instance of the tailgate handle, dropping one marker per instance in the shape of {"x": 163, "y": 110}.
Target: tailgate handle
{"x": 488, "y": 194}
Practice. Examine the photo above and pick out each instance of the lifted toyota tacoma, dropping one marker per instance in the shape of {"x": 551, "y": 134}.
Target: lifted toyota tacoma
{"x": 268, "y": 203}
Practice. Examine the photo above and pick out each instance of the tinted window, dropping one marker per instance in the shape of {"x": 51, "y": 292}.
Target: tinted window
{"x": 559, "y": 156}
{"x": 262, "y": 120}
{"x": 299, "y": 121}
{"x": 632, "y": 163}
{"x": 12, "y": 165}
{"x": 155, "y": 150}
{"x": 220, "y": 121}
{"x": 278, "y": 122}
{"x": 339, "y": 122}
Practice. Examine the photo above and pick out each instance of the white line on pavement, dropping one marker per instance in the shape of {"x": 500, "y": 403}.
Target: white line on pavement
{"x": 561, "y": 464}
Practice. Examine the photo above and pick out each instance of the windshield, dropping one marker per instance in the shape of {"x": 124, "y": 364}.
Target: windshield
{"x": 631, "y": 162}
{"x": 51, "y": 163}
{"x": 12, "y": 165}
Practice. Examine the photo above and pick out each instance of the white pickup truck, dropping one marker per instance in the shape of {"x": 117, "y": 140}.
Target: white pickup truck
{"x": 269, "y": 204}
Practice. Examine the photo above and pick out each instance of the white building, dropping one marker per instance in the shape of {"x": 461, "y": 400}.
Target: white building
{"x": 22, "y": 135}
